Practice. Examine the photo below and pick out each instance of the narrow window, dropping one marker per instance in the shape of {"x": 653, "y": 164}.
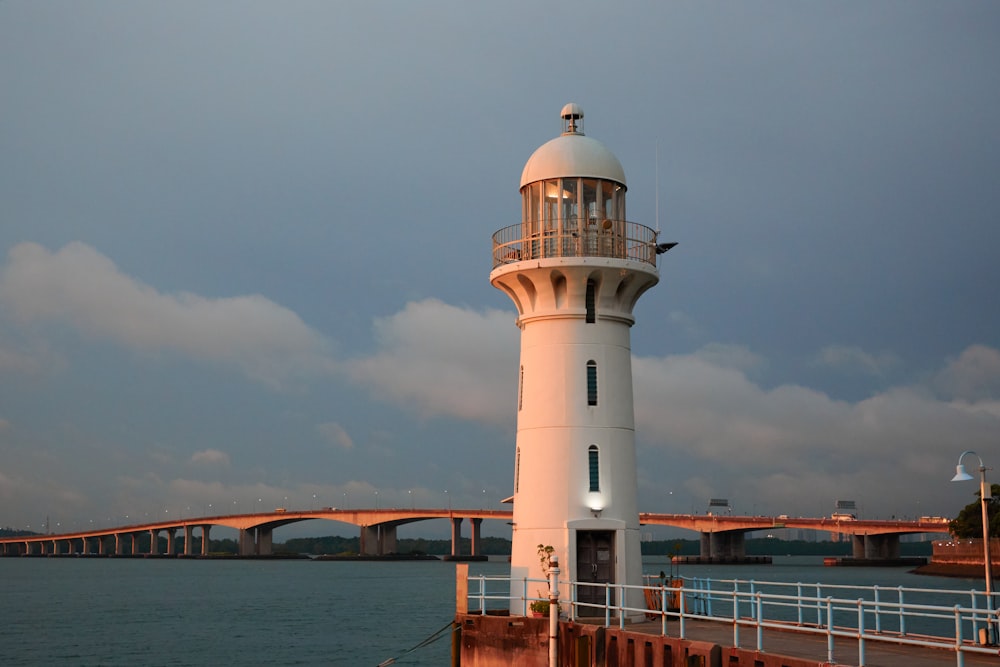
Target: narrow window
{"x": 591, "y": 288}
{"x": 520, "y": 390}
{"x": 517, "y": 468}
{"x": 595, "y": 469}
{"x": 591, "y": 383}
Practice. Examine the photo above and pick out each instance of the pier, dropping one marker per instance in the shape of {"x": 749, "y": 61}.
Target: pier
{"x": 724, "y": 622}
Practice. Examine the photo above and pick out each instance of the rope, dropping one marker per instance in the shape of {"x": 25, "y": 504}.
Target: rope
{"x": 426, "y": 642}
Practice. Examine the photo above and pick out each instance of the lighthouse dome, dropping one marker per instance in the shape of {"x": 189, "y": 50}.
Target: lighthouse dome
{"x": 572, "y": 154}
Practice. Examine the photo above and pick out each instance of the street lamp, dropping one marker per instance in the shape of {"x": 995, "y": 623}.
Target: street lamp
{"x": 984, "y": 497}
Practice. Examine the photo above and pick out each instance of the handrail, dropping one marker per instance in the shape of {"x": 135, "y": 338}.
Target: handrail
{"x": 949, "y": 620}
{"x": 572, "y": 237}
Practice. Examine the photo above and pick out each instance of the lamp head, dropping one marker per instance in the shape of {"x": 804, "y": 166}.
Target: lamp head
{"x": 960, "y": 474}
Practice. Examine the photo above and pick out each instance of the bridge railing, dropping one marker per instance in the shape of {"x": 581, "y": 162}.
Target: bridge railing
{"x": 948, "y": 620}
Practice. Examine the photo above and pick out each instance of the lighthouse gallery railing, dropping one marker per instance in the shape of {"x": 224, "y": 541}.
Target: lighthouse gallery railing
{"x": 574, "y": 237}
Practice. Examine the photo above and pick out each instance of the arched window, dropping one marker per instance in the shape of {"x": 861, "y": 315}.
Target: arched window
{"x": 591, "y": 382}
{"x": 591, "y": 314}
{"x": 595, "y": 468}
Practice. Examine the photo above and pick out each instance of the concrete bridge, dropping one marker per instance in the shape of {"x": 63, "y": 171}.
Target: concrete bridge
{"x": 722, "y": 536}
{"x": 378, "y": 532}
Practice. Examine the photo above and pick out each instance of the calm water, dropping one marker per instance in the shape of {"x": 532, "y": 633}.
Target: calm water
{"x": 203, "y": 612}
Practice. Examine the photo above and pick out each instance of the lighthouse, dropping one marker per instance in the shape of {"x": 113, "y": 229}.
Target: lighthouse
{"x": 575, "y": 268}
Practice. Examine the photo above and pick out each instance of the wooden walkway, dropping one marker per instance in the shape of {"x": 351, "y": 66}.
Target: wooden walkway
{"x": 814, "y": 647}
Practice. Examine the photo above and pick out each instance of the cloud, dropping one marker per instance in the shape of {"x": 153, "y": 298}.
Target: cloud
{"x": 854, "y": 359}
{"x": 81, "y": 287}
{"x": 737, "y": 357}
{"x": 335, "y": 434}
{"x": 724, "y": 434}
{"x": 443, "y": 360}
{"x": 210, "y": 456}
{"x": 974, "y": 375}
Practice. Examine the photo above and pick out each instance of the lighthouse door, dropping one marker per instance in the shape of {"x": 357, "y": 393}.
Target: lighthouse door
{"x": 595, "y": 562}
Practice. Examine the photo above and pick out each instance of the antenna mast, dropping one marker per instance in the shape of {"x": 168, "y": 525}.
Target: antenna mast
{"x": 656, "y": 188}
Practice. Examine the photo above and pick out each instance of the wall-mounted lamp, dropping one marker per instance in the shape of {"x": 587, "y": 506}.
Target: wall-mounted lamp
{"x": 596, "y": 511}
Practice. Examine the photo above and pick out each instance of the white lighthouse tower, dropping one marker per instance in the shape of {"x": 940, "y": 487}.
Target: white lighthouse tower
{"x": 575, "y": 269}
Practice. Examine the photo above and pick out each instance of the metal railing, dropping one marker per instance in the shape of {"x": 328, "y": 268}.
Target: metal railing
{"x": 949, "y": 620}
{"x": 616, "y": 239}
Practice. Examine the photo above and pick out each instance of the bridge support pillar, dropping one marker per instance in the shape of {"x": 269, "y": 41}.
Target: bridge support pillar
{"x": 246, "y": 545}
{"x": 204, "y": 539}
{"x": 171, "y": 550}
{"x": 858, "y": 546}
{"x": 119, "y": 544}
{"x": 477, "y": 525}
{"x": 456, "y": 536}
{"x": 188, "y": 535}
{"x": 154, "y": 542}
{"x": 723, "y": 545}
{"x": 368, "y": 542}
{"x": 378, "y": 540}
{"x": 387, "y": 539}
{"x": 875, "y": 547}
{"x": 135, "y": 543}
{"x": 263, "y": 547}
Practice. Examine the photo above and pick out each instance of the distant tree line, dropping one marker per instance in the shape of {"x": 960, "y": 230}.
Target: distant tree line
{"x": 499, "y": 546}
{"x": 334, "y": 544}
{"x": 969, "y": 522}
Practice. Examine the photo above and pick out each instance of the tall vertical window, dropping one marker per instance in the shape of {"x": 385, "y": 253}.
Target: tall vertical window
{"x": 591, "y": 382}
{"x": 520, "y": 390}
{"x": 595, "y": 469}
{"x": 517, "y": 467}
{"x": 591, "y": 289}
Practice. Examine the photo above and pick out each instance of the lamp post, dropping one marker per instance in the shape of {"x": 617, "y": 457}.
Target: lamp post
{"x": 984, "y": 497}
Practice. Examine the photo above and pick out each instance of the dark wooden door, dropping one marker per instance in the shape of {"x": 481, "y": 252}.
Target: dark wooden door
{"x": 595, "y": 563}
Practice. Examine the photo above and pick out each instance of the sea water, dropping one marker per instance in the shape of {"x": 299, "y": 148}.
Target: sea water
{"x": 160, "y": 611}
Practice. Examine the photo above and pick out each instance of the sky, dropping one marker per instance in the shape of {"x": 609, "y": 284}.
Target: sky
{"x": 245, "y": 250}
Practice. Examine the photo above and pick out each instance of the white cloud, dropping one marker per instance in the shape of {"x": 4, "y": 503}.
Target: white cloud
{"x": 974, "y": 375}
{"x": 738, "y": 357}
{"x": 79, "y": 286}
{"x": 734, "y": 437}
{"x": 211, "y": 457}
{"x": 335, "y": 434}
{"x": 445, "y": 360}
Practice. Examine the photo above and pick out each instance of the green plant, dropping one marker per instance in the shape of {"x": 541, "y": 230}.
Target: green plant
{"x": 545, "y": 552}
{"x": 539, "y": 606}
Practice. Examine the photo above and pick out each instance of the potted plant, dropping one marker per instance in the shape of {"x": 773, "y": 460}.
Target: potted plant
{"x": 539, "y": 608}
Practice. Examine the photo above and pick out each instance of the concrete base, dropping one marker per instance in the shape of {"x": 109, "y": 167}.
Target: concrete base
{"x": 500, "y": 641}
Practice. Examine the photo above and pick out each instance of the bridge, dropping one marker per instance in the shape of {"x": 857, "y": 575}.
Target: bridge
{"x": 377, "y": 526}
{"x": 722, "y": 536}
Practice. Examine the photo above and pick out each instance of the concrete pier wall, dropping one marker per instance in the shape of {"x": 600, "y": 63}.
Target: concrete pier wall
{"x": 500, "y": 641}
